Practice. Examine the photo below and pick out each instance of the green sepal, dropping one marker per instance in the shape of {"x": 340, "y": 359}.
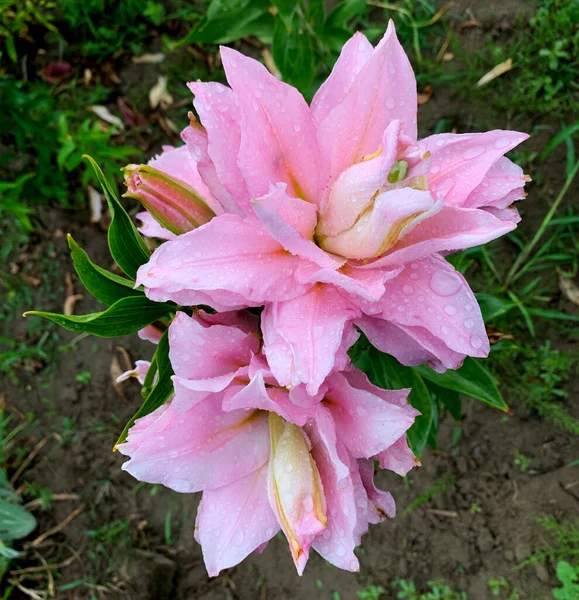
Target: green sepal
{"x": 125, "y": 243}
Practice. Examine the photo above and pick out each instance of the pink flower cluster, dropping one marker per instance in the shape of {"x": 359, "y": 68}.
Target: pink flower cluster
{"x": 325, "y": 220}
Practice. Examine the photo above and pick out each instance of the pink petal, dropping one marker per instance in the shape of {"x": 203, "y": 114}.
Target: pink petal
{"x": 200, "y": 352}
{"x": 291, "y": 222}
{"x": 197, "y": 142}
{"x": 229, "y": 262}
{"x": 235, "y": 520}
{"x": 337, "y": 542}
{"x": 356, "y": 187}
{"x": 354, "y": 55}
{"x": 409, "y": 345}
{"x": 242, "y": 319}
{"x": 383, "y": 90}
{"x": 365, "y": 422}
{"x": 432, "y": 296}
{"x": 382, "y": 502}
{"x": 278, "y": 142}
{"x": 459, "y": 162}
{"x": 255, "y": 395}
{"x": 303, "y": 335}
{"x": 393, "y": 214}
{"x": 449, "y": 230}
{"x": 502, "y": 185}
{"x": 204, "y": 448}
{"x": 398, "y": 458}
{"x": 179, "y": 164}
{"x": 150, "y": 333}
{"x": 139, "y": 372}
{"x": 220, "y": 114}
{"x": 505, "y": 214}
{"x": 150, "y": 227}
{"x": 365, "y": 283}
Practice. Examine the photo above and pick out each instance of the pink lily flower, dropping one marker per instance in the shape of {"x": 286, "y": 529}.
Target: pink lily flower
{"x": 267, "y": 458}
{"x": 335, "y": 215}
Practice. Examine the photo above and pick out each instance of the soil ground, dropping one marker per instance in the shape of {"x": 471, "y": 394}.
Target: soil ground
{"x": 135, "y": 542}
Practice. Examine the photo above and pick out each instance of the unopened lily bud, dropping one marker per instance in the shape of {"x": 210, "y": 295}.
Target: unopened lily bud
{"x": 174, "y": 204}
{"x": 295, "y": 488}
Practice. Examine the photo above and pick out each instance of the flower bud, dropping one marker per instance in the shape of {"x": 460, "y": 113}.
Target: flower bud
{"x": 173, "y": 203}
{"x": 295, "y": 488}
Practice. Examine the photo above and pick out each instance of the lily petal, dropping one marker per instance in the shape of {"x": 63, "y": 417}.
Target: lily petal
{"x": 204, "y": 448}
{"x": 278, "y": 142}
{"x": 435, "y": 298}
{"x": 303, "y": 335}
{"x": 220, "y": 115}
{"x": 230, "y": 262}
{"x": 291, "y": 222}
{"x": 384, "y": 90}
{"x": 365, "y": 422}
{"x": 234, "y": 520}
{"x": 354, "y": 55}
{"x": 459, "y": 162}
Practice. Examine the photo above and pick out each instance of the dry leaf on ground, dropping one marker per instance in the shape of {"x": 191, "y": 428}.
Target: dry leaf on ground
{"x": 495, "y": 72}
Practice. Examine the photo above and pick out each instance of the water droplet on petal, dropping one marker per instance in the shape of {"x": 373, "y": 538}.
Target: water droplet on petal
{"x": 444, "y": 283}
{"x": 473, "y": 152}
{"x": 469, "y": 323}
{"x": 390, "y": 102}
{"x": 449, "y": 309}
{"x": 476, "y": 342}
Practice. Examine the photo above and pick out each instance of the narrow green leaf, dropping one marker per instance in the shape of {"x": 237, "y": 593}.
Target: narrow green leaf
{"x": 124, "y": 317}
{"x": 125, "y": 243}
{"x": 492, "y": 307}
{"x": 472, "y": 379}
{"x": 162, "y": 391}
{"x": 103, "y": 285}
{"x": 386, "y": 372}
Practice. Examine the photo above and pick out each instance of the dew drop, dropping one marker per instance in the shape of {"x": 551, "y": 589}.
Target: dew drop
{"x": 444, "y": 283}
{"x": 449, "y": 309}
{"x": 408, "y": 289}
{"x": 390, "y": 103}
{"x": 473, "y": 152}
{"x": 476, "y": 342}
{"x": 469, "y": 323}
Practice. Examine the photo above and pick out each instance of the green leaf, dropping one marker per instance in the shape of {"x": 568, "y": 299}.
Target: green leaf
{"x": 345, "y": 11}
{"x": 293, "y": 53}
{"x": 230, "y": 20}
{"x": 125, "y": 243}
{"x": 492, "y": 307}
{"x": 433, "y": 432}
{"x": 124, "y": 317}
{"x": 15, "y": 521}
{"x": 103, "y": 285}
{"x": 472, "y": 379}
{"x": 286, "y": 8}
{"x": 448, "y": 398}
{"x": 386, "y": 372}
{"x": 162, "y": 391}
